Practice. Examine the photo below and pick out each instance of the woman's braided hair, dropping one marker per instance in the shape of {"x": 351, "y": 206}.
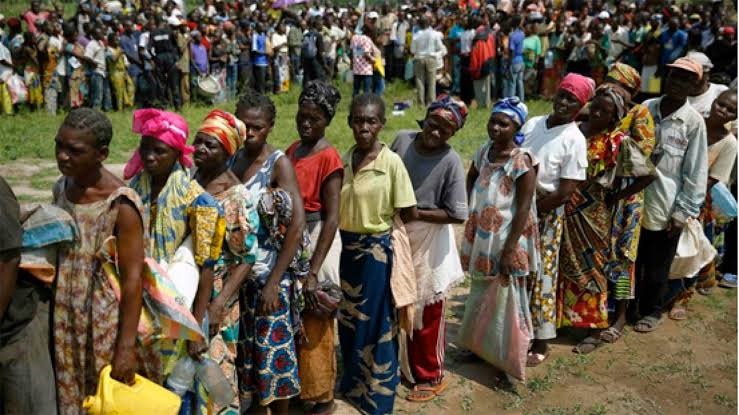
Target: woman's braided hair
{"x": 91, "y": 121}
{"x": 253, "y": 99}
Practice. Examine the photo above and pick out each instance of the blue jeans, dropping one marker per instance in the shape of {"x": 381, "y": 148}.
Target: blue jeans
{"x": 515, "y": 87}
{"x": 232, "y": 75}
{"x": 363, "y": 82}
{"x": 97, "y": 85}
{"x": 378, "y": 84}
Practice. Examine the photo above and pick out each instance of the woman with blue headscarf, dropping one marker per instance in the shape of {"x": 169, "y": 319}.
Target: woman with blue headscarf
{"x": 501, "y": 235}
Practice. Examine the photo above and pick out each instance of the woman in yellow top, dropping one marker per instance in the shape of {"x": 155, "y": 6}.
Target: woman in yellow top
{"x": 120, "y": 81}
{"x": 376, "y": 187}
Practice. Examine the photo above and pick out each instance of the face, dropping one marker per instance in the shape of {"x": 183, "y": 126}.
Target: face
{"x": 602, "y": 112}
{"x": 724, "y": 108}
{"x": 366, "y": 124}
{"x": 209, "y": 152}
{"x": 76, "y": 152}
{"x": 35, "y": 6}
{"x": 566, "y": 106}
{"x": 436, "y": 132}
{"x": 158, "y": 157}
{"x": 311, "y": 122}
{"x": 501, "y": 128}
{"x": 258, "y": 126}
{"x": 680, "y": 83}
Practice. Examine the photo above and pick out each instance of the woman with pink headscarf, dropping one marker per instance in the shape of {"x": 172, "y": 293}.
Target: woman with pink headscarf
{"x": 175, "y": 208}
{"x": 559, "y": 146}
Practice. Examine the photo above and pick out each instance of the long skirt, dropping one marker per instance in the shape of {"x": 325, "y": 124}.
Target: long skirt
{"x": 317, "y": 355}
{"x": 367, "y": 323}
{"x": 543, "y": 296}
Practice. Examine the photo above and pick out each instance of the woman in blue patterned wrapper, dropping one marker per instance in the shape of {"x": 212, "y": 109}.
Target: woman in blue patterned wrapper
{"x": 271, "y": 300}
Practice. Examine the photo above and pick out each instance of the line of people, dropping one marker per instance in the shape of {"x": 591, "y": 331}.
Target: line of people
{"x": 580, "y": 211}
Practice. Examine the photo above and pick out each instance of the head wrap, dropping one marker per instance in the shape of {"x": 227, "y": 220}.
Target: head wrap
{"x": 323, "y": 94}
{"x": 580, "y": 86}
{"x": 517, "y": 110}
{"x": 618, "y": 100}
{"x": 167, "y": 127}
{"x": 450, "y": 109}
{"x": 229, "y": 130}
{"x": 626, "y": 76}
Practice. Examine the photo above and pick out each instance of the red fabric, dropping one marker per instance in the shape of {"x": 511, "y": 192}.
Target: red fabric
{"x": 312, "y": 171}
{"x": 483, "y": 50}
{"x": 426, "y": 349}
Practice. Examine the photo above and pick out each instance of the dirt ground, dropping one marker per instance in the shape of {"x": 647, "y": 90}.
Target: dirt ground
{"x": 687, "y": 367}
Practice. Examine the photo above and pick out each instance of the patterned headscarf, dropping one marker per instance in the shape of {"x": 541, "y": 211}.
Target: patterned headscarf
{"x": 322, "y": 94}
{"x": 165, "y": 126}
{"x": 229, "y": 130}
{"x": 450, "y": 109}
{"x": 578, "y": 85}
{"x": 617, "y": 98}
{"x": 517, "y": 110}
{"x": 626, "y": 76}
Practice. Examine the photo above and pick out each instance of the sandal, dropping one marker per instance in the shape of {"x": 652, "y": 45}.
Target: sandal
{"x": 535, "y": 359}
{"x": 611, "y": 335}
{"x": 427, "y": 392}
{"x": 648, "y": 324}
{"x": 704, "y": 290}
{"x": 588, "y": 345}
{"x": 678, "y": 313}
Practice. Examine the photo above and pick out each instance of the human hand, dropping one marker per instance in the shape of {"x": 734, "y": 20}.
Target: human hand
{"x": 507, "y": 258}
{"x": 675, "y": 228}
{"x": 196, "y": 349}
{"x": 216, "y": 313}
{"x": 270, "y": 300}
{"x": 123, "y": 365}
{"x": 309, "y": 290}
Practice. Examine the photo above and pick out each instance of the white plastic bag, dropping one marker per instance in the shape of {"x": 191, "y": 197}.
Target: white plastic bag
{"x": 694, "y": 251}
{"x": 17, "y": 89}
{"x": 184, "y": 273}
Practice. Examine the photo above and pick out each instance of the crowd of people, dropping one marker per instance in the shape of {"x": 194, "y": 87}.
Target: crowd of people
{"x": 115, "y": 55}
{"x": 576, "y": 215}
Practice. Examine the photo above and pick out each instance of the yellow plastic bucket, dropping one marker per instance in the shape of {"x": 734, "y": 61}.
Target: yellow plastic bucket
{"x": 143, "y": 397}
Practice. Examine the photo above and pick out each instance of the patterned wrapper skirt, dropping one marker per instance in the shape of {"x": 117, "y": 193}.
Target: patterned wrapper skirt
{"x": 543, "y": 296}
{"x": 367, "y": 323}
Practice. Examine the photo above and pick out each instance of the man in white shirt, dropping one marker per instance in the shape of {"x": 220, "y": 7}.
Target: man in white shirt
{"x": 681, "y": 160}
{"x": 95, "y": 54}
{"x": 706, "y": 92}
{"x": 427, "y": 47}
{"x": 619, "y": 40}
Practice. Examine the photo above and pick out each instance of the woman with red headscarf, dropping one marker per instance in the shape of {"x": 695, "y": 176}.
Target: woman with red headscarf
{"x": 176, "y": 209}
{"x": 560, "y": 147}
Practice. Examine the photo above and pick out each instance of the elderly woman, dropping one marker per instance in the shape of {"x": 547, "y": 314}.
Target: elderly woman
{"x": 592, "y": 261}
{"x": 376, "y": 187}
{"x": 176, "y": 208}
{"x": 437, "y": 175}
{"x": 500, "y": 238}
{"x": 560, "y": 147}
{"x": 220, "y": 135}
{"x": 319, "y": 170}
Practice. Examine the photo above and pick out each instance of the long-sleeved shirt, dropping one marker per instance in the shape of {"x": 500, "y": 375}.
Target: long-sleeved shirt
{"x": 427, "y": 43}
{"x": 681, "y": 159}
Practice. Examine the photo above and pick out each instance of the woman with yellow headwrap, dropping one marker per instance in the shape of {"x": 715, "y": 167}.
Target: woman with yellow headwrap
{"x": 217, "y": 139}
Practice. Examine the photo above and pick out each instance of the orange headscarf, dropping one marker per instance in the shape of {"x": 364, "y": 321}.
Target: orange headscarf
{"x": 224, "y": 126}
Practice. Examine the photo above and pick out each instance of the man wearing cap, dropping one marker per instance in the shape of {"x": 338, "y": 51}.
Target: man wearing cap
{"x": 705, "y": 92}
{"x": 681, "y": 158}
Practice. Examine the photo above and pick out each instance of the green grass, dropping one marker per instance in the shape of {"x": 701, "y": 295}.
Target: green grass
{"x": 31, "y": 135}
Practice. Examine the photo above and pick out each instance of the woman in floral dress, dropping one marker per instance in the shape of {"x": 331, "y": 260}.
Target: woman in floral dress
{"x": 588, "y": 275}
{"x": 501, "y": 237}
{"x": 91, "y": 326}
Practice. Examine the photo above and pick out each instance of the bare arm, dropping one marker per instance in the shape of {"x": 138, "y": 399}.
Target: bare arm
{"x": 130, "y": 240}
{"x": 472, "y": 175}
{"x": 557, "y": 198}
{"x": 330, "y": 202}
{"x": 637, "y": 186}
{"x": 437, "y": 216}
{"x": 284, "y": 176}
{"x": 237, "y": 275}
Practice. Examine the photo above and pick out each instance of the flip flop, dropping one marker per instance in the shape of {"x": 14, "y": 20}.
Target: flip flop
{"x": 611, "y": 335}
{"x": 648, "y": 324}
{"x": 425, "y": 393}
{"x": 535, "y": 359}
{"x": 588, "y": 345}
{"x": 678, "y": 313}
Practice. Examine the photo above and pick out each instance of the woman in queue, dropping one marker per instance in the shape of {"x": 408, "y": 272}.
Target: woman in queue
{"x": 376, "y": 188}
